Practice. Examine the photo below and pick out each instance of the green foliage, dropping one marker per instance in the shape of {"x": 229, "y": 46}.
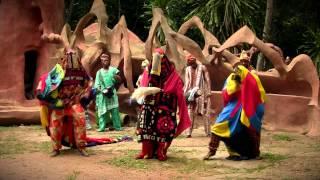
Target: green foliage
{"x": 311, "y": 46}
{"x": 291, "y": 23}
{"x": 75, "y": 10}
{"x": 223, "y": 18}
{"x": 147, "y": 15}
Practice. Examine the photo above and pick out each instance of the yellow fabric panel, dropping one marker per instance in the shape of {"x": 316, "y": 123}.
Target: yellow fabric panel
{"x": 242, "y": 72}
{"x": 44, "y": 113}
{"x": 232, "y": 86}
{"x": 221, "y": 129}
{"x": 156, "y": 64}
{"x": 244, "y": 119}
{"x": 60, "y": 71}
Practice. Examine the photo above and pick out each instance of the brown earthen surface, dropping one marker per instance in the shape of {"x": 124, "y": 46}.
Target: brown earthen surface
{"x": 24, "y": 57}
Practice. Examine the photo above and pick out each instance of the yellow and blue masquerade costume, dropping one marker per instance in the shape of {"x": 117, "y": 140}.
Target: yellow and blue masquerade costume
{"x": 239, "y": 123}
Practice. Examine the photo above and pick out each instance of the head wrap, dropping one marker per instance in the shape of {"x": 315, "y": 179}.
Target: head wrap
{"x": 244, "y": 56}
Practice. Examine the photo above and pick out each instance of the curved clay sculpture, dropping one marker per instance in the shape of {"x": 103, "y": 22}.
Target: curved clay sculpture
{"x": 128, "y": 51}
{"x": 298, "y": 116}
{"x": 300, "y": 68}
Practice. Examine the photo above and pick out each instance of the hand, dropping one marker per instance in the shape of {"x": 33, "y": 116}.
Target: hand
{"x": 105, "y": 91}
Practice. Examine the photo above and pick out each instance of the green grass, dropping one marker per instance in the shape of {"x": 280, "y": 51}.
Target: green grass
{"x": 6, "y": 128}
{"x": 73, "y": 176}
{"x": 259, "y": 168}
{"x": 45, "y": 146}
{"x": 316, "y": 146}
{"x": 185, "y": 165}
{"x": 128, "y": 161}
{"x": 36, "y": 127}
{"x": 179, "y": 151}
{"x": 179, "y": 163}
{"x": 273, "y": 158}
{"x": 10, "y": 145}
{"x": 282, "y": 137}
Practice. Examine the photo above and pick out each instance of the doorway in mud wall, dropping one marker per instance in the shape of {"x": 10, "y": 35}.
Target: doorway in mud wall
{"x": 30, "y": 67}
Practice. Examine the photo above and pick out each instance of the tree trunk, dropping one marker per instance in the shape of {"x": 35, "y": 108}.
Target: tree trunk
{"x": 266, "y": 33}
{"x": 69, "y": 13}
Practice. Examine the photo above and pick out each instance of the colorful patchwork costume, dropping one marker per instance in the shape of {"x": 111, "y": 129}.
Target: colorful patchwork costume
{"x": 239, "y": 123}
{"x": 59, "y": 93}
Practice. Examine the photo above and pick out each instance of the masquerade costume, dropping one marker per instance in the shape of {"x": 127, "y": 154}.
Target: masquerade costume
{"x": 239, "y": 123}
{"x": 157, "y": 122}
{"x": 59, "y": 92}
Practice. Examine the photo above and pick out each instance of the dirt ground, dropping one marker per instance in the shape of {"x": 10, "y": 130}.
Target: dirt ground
{"x": 24, "y": 154}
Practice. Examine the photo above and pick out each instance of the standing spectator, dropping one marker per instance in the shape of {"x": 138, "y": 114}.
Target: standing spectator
{"x": 106, "y": 99}
{"x": 197, "y": 90}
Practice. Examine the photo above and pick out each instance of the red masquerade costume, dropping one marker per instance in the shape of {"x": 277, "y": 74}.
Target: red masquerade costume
{"x": 157, "y": 121}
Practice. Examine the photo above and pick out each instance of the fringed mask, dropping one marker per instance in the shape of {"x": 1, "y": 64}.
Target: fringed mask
{"x": 71, "y": 59}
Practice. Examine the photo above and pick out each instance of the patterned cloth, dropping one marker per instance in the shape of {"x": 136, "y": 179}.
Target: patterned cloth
{"x": 157, "y": 123}
{"x": 198, "y": 79}
{"x": 74, "y": 134}
{"x": 47, "y": 89}
{"x": 157, "y": 120}
{"x": 239, "y": 123}
{"x": 73, "y": 86}
{"x": 59, "y": 93}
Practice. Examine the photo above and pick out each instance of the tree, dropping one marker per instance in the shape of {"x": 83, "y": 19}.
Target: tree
{"x": 266, "y": 33}
{"x": 224, "y": 17}
{"x": 147, "y": 15}
{"x": 311, "y": 46}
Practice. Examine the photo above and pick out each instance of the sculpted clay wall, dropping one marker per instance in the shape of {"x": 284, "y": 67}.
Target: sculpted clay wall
{"x": 24, "y": 57}
{"x": 271, "y": 84}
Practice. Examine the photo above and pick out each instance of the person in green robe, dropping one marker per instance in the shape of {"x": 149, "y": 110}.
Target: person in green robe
{"x": 107, "y": 100}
